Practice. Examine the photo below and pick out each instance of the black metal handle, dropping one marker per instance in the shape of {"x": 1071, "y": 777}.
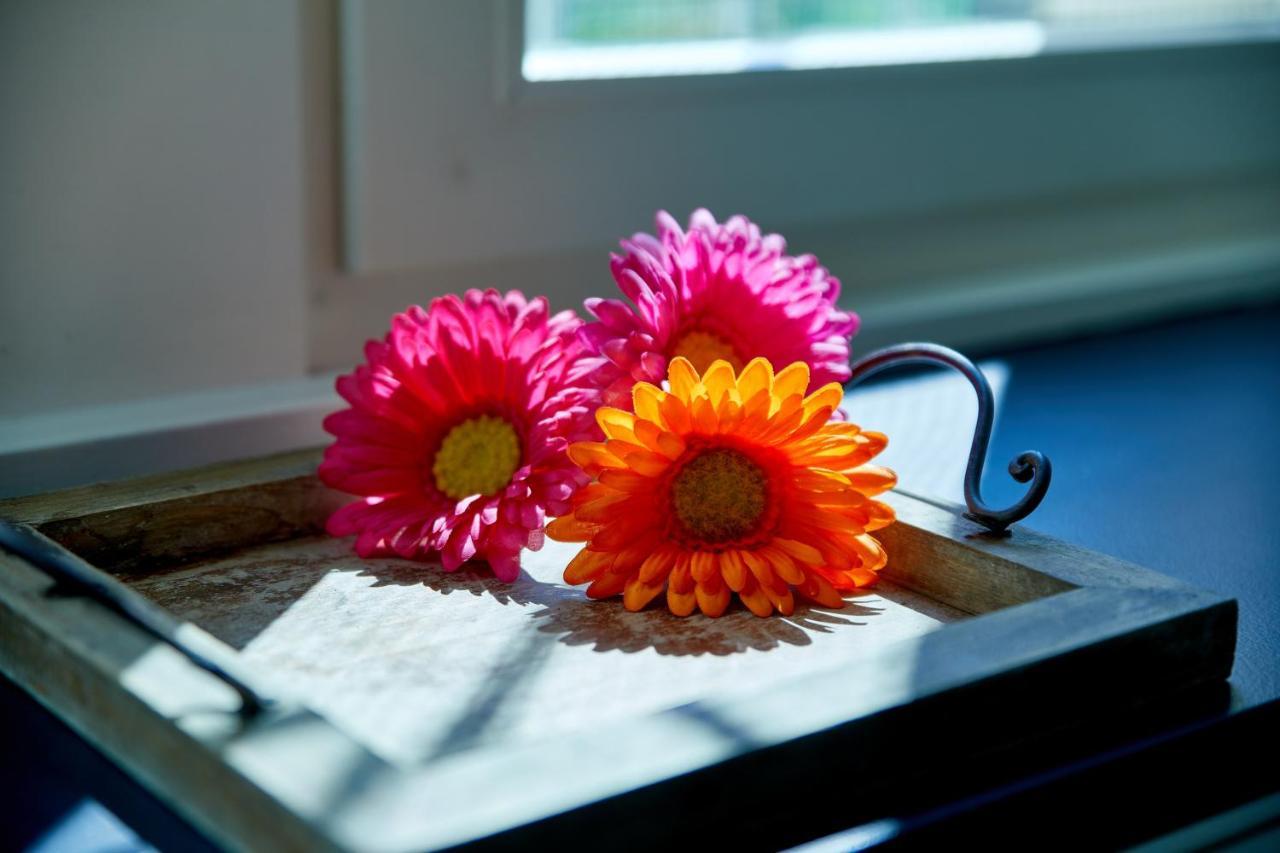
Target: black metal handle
{"x": 75, "y": 575}
{"x": 1030, "y": 466}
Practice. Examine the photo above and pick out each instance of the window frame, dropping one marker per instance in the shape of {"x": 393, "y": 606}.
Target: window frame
{"x": 1228, "y": 171}
{"x": 1070, "y": 47}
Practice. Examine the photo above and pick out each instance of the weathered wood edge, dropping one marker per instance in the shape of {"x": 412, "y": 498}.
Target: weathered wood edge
{"x": 116, "y": 495}
{"x": 984, "y": 572}
{"x": 152, "y": 523}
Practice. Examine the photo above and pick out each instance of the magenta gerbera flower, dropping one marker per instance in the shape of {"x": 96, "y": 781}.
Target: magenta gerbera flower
{"x": 457, "y": 431}
{"x": 717, "y": 291}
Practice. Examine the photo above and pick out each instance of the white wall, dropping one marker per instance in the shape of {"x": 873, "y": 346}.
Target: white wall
{"x": 151, "y": 199}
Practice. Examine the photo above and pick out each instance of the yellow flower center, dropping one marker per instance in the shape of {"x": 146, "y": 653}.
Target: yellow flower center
{"x": 719, "y": 496}
{"x": 477, "y": 457}
{"x": 702, "y": 348}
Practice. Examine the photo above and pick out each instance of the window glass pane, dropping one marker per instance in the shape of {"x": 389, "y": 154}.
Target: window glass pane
{"x": 568, "y": 39}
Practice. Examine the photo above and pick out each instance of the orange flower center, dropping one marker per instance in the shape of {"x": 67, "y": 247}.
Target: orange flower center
{"x": 719, "y": 496}
{"x": 477, "y": 457}
{"x": 702, "y": 348}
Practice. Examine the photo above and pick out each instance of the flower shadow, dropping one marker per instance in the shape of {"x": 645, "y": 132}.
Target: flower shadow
{"x": 473, "y": 578}
{"x": 608, "y": 626}
{"x": 575, "y": 620}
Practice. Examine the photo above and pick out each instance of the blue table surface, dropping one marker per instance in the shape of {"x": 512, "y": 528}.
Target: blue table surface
{"x": 1163, "y": 443}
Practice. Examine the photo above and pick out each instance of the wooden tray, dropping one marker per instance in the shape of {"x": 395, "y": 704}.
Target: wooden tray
{"x": 423, "y": 710}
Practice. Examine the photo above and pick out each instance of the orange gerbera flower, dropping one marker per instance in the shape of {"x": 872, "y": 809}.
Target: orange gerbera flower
{"x": 727, "y": 484}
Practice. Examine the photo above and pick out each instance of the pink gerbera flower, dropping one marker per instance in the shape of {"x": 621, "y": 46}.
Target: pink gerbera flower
{"x": 717, "y": 291}
{"x": 457, "y": 431}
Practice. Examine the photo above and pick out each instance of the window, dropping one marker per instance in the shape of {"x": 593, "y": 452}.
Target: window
{"x": 975, "y": 202}
{"x": 600, "y": 39}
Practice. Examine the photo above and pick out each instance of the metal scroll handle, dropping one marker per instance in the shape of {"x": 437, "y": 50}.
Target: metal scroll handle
{"x": 74, "y": 575}
{"x": 1030, "y": 466}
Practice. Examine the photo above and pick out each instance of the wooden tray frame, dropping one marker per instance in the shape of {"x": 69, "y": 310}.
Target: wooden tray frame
{"x": 1064, "y": 633}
